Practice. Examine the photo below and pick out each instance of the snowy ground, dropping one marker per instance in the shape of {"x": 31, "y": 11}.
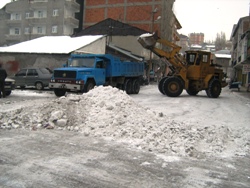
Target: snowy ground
{"x": 198, "y": 127}
{"x": 184, "y": 126}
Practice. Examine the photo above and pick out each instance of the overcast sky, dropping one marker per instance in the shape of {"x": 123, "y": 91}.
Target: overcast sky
{"x": 210, "y": 16}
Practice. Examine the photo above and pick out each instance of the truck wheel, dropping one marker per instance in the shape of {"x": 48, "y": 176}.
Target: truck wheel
{"x": 128, "y": 86}
{"x": 59, "y": 92}
{"x": 214, "y": 88}
{"x": 7, "y": 93}
{"x": 39, "y": 86}
{"x": 135, "y": 86}
{"x": 88, "y": 86}
{"x": 160, "y": 85}
{"x": 172, "y": 87}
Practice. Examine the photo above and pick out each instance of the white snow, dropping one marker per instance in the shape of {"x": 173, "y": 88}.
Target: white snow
{"x": 111, "y": 114}
{"x": 3, "y": 3}
{"x": 52, "y": 44}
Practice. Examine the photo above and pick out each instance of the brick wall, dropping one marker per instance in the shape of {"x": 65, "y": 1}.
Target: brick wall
{"x": 134, "y": 12}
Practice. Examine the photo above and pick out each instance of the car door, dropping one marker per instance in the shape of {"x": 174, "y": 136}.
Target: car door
{"x": 20, "y": 77}
{"x": 31, "y": 78}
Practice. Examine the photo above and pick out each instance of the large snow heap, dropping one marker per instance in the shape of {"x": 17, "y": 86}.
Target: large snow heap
{"x": 110, "y": 113}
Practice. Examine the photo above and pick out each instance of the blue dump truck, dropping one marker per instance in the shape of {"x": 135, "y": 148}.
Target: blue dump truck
{"x": 85, "y": 71}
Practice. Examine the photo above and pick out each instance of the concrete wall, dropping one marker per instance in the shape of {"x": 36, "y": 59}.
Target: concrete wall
{"x": 12, "y": 62}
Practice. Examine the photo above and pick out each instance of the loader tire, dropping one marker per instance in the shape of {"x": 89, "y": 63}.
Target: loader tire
{"x": 160, "y": 85}
{"x": 172, "y": 86}
{"x": 214, "y": 88}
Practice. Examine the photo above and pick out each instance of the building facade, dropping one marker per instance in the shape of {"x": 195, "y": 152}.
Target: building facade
{"x": 196, "y": 38}
{"x": 240, "y": 52}
{"x": 30, "y": 19}
{"x": 149, "y": 15}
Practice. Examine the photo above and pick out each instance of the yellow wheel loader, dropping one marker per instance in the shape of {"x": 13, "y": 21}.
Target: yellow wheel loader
{"x": 194, "y": 72}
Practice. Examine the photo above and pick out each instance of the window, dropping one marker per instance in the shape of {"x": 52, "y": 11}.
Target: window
{"x": 54, "y": 29}
{"x": 39, "y": 30}
{"x": 40, "y": 14}
{"x": 191, "y": 58}
{"x": 27, "y": 30}
{"x": 22, "y": 72}
{"x": 32, "y": 72}
{"x": 205, "y": 58}
{"x": 27, "y": 15}
{"x": 55, "y": 12}
{"x": 15, "y": 16}
{"x": 17, "y": 31}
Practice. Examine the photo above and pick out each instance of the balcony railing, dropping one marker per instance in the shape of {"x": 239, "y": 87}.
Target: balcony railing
{"x": 71, "y": 21}
{"x": 72, "y": 4}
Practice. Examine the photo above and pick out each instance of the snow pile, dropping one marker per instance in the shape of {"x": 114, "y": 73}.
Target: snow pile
{"x": 110, "y": 113}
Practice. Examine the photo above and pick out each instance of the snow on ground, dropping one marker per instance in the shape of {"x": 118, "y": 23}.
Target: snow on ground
{"x": 112, "y": 114}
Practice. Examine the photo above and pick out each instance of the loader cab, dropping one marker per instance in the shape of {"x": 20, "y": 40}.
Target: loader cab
{"x": 198, "y": 64}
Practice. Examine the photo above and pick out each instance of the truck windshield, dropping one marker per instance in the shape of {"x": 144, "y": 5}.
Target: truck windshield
{"x": 83, "y": 62}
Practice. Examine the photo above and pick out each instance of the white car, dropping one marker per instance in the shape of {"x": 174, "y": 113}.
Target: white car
{"x": 9, "y": 86}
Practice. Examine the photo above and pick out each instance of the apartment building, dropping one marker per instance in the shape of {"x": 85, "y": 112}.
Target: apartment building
{"x": 149, "y": 15}
{"x": 240, "y": 52}
{"x": 30, "y": 19}
{"x": 196, "y": 38}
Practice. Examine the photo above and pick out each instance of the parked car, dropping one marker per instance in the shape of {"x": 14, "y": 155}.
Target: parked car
{"x": 9, "y": 86}
{"x": 35, "y": 77}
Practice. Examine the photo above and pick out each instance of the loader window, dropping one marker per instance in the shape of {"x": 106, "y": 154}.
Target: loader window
{"x": 198, "y": 61}
{"x": 205, "y": 58}
{"x": 191, "y": 58}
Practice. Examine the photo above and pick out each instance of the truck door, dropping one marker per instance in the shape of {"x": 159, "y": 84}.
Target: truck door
{"x": 204, "y": 65}
{"x": 100, "y": 73}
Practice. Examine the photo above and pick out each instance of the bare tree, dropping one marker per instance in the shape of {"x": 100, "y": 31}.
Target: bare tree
{"x": 220, "y": 41}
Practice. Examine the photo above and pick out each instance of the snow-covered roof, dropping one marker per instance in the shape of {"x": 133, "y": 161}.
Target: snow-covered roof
{"x": 210, "y": 46}
{"x": 52, "y": 44}
{"x": 223, "y": 56}
{"x": 3, "y": 3}
{"x": 125, "y": 52}
{"x": 195, "y": 46}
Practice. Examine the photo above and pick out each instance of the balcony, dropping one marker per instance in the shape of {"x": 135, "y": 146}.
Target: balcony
{"x": 73, "y": 5}
{"x": 12, "y": 37}
{"x": 13, "y": 22}
{"x": 71, "y": 21}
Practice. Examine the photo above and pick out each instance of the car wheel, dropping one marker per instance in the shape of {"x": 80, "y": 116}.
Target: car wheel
{"x": 39, "y": 86}
{"x": 7, "y": 93}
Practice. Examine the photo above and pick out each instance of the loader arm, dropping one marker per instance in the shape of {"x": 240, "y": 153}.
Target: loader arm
{"x": 149, "y": 41}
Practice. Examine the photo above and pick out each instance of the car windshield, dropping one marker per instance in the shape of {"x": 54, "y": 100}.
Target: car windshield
{"x": 84, "y": 62}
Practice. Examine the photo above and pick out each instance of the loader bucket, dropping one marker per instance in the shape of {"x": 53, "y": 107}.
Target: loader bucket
{"x": 147, "y": 40}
